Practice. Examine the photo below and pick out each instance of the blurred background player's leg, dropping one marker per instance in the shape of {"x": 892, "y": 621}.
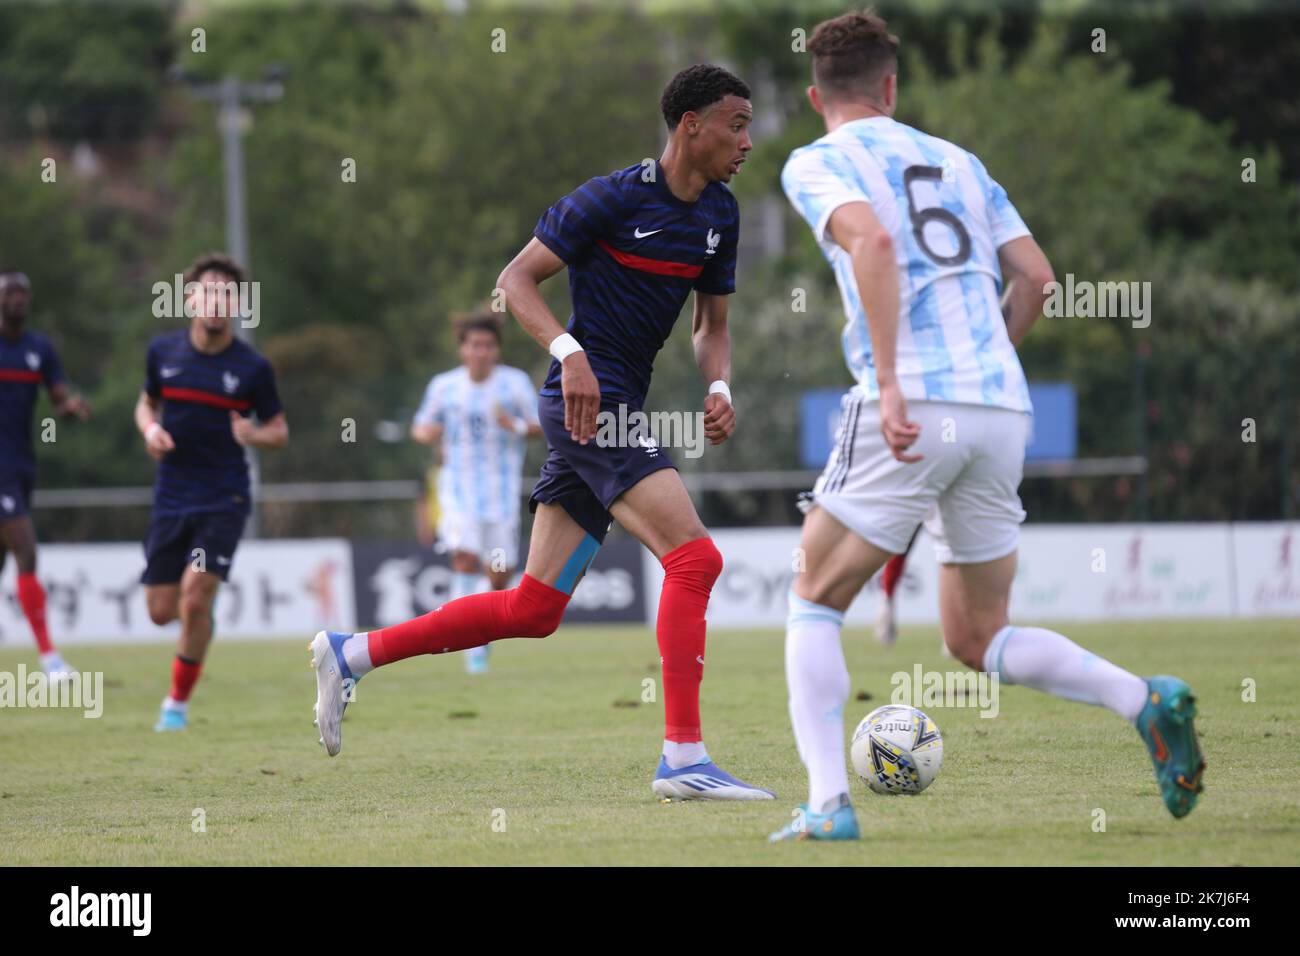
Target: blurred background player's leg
{"x": 890, "y": 576}
{"x": 497, "y": 561}
{"x": 467, "y": 578}
{"x": 188, "y": 558}
{"x": 18, "y": 535}
{"x": 191, "y": 602}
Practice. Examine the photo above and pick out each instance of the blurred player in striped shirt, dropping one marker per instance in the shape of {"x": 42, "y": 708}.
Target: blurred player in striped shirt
{"x": 478, "y": 417}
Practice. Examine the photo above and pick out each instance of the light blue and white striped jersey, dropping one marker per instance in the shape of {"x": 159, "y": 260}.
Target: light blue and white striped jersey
{"x": 481, "y": 461}
{"x": 947, "y": 218}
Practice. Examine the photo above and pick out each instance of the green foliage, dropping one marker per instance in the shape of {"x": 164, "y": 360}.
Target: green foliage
{"x": 458, "y": 149}
{"x": 81, "y": 70}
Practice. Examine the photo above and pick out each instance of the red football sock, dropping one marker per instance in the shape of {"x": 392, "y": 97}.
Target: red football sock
{"x": 185, "y": 674}
{"x": 32, "y": 598}
{"x": 689, "y": 573}
{"x": 533, "y": 609}
{"x": 892, "y": 574}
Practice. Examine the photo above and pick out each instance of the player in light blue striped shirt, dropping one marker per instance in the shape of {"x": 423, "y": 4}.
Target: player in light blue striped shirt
{"x": 921, "y": 238}
{"x": 479, "y": 415}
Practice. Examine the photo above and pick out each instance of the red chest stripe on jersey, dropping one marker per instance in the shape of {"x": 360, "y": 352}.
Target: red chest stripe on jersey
{"x": 205, "y": 398}
{"x": 19, "y": 375}
{"x": 659, "y": 267}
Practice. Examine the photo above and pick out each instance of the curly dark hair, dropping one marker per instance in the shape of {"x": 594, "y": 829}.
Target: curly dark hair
{"x": 696, "y": 87}
{"x": 852, "y": 54}
{"x": 215, "y": 262}
{"x": 479, "y": 320}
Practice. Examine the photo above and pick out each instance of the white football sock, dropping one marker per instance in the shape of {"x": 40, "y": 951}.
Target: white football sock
{"x": 819, "y": 687}
{"x": 356, "y": 652}
{"x": 684, "y": 755}
{"x": 182, "y": 705}
{"x": 1051, "y": 662}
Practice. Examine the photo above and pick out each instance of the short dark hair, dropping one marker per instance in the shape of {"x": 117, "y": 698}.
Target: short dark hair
{"x": 479, "y": 320}
{"x": 852, "y": 54}
{"x": 214, "y": 262}
{"x": 696, "y": 87}
{"x": 8, "y": 273}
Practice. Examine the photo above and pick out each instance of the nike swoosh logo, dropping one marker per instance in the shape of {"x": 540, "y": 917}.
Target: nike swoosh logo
{"x": 169, "y": 372}
{"x": 641, "y": 235}
{"x": 1162, "y": 752}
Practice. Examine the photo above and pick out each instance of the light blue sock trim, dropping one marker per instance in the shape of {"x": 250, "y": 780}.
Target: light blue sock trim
{"x": 803, "y": 611}
{"x": 576, "y": 564}
{"x": 463, "y": 584}
{"x": 993, "y": 655}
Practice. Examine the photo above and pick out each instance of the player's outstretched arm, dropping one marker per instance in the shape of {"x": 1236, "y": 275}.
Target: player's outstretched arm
{"x": 520, "y": 281}
{"x": 1027, "y": 273}
{"x": 69, "y": 403}
{"x": 712, "y": 342}
{"x": 875, "y": 269}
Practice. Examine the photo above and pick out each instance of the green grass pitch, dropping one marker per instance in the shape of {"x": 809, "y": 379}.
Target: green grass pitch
{"x": 548, "y": 760}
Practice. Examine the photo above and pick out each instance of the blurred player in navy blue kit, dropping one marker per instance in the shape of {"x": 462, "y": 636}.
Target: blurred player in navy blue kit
{"x": 27, "y": 359}
{"x": 202, "y": 385}
{"x": 637, "y": 243}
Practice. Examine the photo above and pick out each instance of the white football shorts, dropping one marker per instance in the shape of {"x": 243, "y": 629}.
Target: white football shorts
{"x": 973, "y": 458}
{"x": 495, "y": 542}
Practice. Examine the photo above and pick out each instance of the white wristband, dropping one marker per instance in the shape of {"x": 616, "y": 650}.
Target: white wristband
{"x": 720, "y": 388}
{"x": 564, "y": 345}
{"x": 519, "y": 427}
{"x": 148, "y": 432}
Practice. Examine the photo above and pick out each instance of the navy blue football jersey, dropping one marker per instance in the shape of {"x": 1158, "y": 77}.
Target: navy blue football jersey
{"x": 635, "y": 252}
{"x": 26, "y": 363}
{"x": 207, "y": 471}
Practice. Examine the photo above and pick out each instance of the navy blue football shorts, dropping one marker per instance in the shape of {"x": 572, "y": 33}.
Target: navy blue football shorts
{"x": 585, "y": 480}
{"x": 206, "y": 540}
{"x": 15, "y": 494}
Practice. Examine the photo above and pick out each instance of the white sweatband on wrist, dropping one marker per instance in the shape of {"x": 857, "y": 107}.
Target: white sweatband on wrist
{"x": 720, "y": 388}
{"x": 564, "y": 345}
{"x": 148, "y": 432}
{"x": 519, "y": 427}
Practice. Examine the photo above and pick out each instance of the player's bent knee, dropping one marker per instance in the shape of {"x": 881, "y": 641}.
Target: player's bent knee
{"x": 162, "y": 614}
{"x": 699, "y": 561}
{"x": 536, "y": 609}
{"x": 970, "y": 654}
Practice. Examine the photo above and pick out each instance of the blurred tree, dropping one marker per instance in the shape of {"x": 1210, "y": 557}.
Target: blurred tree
{"x": 82, "y": 70}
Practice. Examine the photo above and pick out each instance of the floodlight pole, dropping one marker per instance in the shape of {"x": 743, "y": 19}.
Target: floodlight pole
{"x": 232, "y": 97}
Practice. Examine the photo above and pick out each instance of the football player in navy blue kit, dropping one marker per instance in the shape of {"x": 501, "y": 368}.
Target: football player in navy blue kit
{"x": 202, "y": 385}
{"x": 637, "y": 243}
{"x": 27, "y": 360}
